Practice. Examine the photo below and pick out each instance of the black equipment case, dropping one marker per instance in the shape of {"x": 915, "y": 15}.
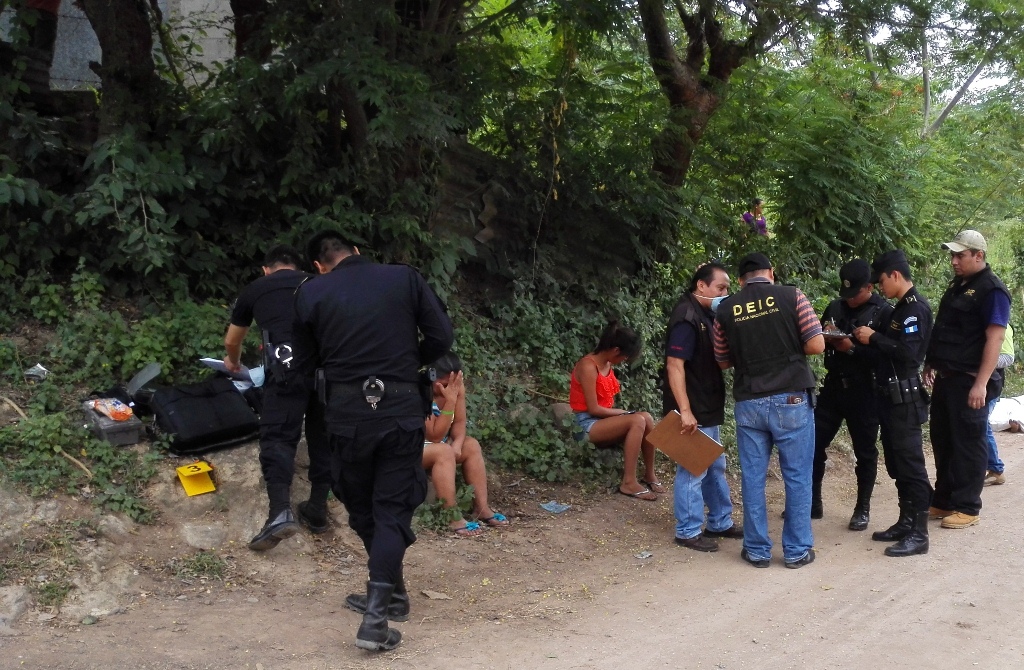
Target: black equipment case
{"x": 203, "y": 417}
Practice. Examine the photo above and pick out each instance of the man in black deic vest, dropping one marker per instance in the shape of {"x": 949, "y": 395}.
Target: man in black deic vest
{"x": 766, "y": 332}
{"x": 901, "y": 343}
{"x": 360, "y": 326}
{"x": 961, "y": 362}
{"x": 287, "y": 398}
{"x": 848, "y": 392}
{"x": 693, "y": 386}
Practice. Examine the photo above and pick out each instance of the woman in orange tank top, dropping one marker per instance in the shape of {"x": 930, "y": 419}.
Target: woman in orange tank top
{"x": 592, "y": 390}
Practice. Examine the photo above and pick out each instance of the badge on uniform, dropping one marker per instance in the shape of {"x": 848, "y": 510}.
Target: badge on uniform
{"x": 910, "y": 329}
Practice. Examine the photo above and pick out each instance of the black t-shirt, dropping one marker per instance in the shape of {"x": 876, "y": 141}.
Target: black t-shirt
{"x": 270, "y": 300}
{"x": 362, "y": 319}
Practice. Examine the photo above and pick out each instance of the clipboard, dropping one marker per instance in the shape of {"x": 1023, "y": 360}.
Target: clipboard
{"x": 694, "y": 452}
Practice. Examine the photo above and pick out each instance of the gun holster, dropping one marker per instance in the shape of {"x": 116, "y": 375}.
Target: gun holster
{"x": 427, "y": 379}
{"x": 320, "y": 384}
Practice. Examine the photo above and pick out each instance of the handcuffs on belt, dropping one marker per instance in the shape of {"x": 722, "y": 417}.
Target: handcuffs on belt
{"x": 373, "y": 391}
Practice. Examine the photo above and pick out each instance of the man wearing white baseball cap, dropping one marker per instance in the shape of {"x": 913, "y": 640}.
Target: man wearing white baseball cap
{"x": 961, "y": 362}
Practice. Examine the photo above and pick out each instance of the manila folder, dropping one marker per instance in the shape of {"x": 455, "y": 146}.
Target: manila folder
{"x": 695, "y": 452}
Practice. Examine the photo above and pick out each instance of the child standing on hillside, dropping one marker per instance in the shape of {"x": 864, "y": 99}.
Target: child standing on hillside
{"x": 592, "y": 390}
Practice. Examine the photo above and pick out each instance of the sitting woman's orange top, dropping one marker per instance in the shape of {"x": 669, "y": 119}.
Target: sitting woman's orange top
{"x": 607, "y": 388}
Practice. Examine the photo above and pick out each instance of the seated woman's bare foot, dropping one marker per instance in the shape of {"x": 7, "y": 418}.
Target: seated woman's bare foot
{"x": 492, "y": 518}
{"x": 464, "y": 528}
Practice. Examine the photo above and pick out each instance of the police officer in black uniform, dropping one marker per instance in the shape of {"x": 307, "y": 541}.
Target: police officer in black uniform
{"x": 848, "y": 392}
{"x": 903, "y": 404}
{"x": 360, "y": 324}
{"x": 286, "y": 398}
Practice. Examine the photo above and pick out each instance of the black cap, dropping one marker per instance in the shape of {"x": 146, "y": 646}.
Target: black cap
{"x": 752, "y": 262}
{"x": 853, "y": 276}
{"x": 888, "y": 261}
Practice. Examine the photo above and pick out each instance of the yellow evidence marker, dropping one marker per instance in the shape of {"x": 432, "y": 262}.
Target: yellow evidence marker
{"x": 195, "y": 477}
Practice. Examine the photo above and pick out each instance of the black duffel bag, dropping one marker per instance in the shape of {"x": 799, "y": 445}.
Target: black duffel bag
{"x": 203, "y": 417}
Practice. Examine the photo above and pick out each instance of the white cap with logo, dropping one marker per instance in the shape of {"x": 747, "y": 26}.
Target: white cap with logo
{"x": 967, "y": 239}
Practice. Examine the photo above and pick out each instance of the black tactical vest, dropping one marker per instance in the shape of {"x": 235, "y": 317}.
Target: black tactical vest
{"x": 760, "y": 323}
{"x": 875, "y": 314}
{"x": 958, "y": 339}
{"x": 705, "y": 387}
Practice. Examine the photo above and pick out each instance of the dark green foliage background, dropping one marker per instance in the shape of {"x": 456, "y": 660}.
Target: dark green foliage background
{"x": 131, "y": 248}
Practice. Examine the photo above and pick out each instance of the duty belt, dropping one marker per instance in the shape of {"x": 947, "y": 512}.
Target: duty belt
{"x": 850, "y": 381}
{"x": 373, "y": 390}
{"x": 902, "y": 391}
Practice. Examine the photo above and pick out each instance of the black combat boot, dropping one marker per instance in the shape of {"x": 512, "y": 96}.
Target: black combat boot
{"x": 915, "y": 542}
{"x": 312, "y": 517}
{"x": 398, "y": 608}
{"x": 374, "y": 633}
{"x": 898, "y": 530}
{"x": 861, "y": 512}
{"x": 279, "y": 526}
{"x": 817, "y": 509}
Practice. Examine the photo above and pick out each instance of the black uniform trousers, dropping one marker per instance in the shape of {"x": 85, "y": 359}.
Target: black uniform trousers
{"x": 379, "y": 476}
{"x": 852, "y": 400}
{"x": 902, "y": 446}
{"x": 281, "y": 421}
{"x": 959, "y": 440}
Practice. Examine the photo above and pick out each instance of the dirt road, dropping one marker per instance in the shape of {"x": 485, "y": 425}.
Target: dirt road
{"x": 569, "y": 592}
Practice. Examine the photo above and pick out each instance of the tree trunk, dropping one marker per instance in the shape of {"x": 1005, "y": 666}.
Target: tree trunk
{"x": 693, "y": 93}
{"x": 130, "y": 86}
{"x": 249, "y": 18}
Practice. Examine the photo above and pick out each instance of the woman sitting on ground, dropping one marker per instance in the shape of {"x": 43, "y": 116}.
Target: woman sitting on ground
{"x": 592, "y": 390}
{"x": 447, "y": 445}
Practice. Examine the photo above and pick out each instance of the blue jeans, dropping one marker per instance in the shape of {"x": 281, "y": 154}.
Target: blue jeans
{"x": 710, "y": 488}
{"x": 760, "y": 423}
{"x": 995, "y": 464}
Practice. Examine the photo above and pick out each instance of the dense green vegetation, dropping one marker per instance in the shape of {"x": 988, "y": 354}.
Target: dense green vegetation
{"x": 129, "y": 226}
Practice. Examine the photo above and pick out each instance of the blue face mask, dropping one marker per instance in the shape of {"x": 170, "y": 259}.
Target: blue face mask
{"x": 715, "y": 302}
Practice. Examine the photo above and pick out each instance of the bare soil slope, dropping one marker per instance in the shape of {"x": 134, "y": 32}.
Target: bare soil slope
{"x": 565, "y": 591}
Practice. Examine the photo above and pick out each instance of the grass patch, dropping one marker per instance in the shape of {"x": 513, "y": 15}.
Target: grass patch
{"x": 202, "y": 565}
{"x": 435, "y": 516}
{"x": 53, "y": 454}
{"x": 46, "y": 560}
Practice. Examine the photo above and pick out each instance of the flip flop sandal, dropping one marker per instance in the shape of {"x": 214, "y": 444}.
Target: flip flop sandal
{"x": 646, "y": 494}
{"x": 655, "y": 486}
{"x": 471, "y": 529}
{"x": 496, "y": 520}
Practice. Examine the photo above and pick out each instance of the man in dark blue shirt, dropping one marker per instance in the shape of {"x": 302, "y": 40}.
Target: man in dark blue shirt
{"x": 361, "y": 324}
{"x": 694, "y": 387}
{"x": 269, "y": 300}
{"x": 962, "y": 357}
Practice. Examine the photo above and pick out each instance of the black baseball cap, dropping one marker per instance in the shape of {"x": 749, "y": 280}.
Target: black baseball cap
{"x": 853, "y": 276}
{"x": 752, "y": 262}
{"x": 888, "y": 261}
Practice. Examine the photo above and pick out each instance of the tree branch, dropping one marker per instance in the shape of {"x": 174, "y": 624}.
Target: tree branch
{"x": 934, "y": 127}
{"x": 926, "y": 82}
